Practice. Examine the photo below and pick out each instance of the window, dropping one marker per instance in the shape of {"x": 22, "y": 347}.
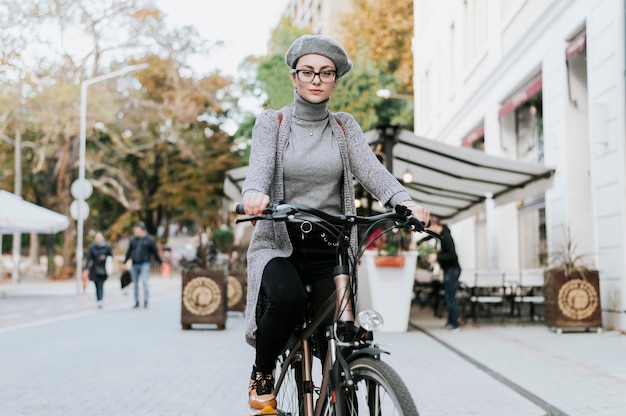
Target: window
{"x": 529, "y": 130}
{"x": 475, "y": 19}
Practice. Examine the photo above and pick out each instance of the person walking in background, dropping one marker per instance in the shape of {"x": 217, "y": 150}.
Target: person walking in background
{"x": 98, "y": 255}
{"x": 302, "y": 154}
{"x": 449, "y": 262}
{"x": 141, "y": 248}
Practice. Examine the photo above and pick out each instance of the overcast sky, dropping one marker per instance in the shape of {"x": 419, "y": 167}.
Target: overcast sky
{"x": 244, "y": 26}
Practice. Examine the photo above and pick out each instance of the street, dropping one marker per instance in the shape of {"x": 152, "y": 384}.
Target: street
{"x": 80, "y": 360}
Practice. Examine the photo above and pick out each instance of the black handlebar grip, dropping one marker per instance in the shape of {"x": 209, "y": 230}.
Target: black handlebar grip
{"x": 239, "y": 209}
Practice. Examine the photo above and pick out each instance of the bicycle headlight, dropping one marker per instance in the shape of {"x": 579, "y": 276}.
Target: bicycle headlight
{"x": 370, "y": 320}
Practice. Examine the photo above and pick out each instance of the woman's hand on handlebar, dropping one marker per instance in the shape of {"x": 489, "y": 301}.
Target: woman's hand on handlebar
{"x": 255, "y": 202}
{"x": 418, "y": 212}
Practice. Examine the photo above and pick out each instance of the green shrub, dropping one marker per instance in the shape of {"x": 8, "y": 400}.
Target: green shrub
{"x": 223, "y": 240}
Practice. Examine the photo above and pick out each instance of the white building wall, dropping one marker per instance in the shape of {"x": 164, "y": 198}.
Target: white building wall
{"x": 607, "y": 149}
{"x": 585, "y": 143}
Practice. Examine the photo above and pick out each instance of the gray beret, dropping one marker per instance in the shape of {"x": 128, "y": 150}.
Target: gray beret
{"x": 319, "y": 45}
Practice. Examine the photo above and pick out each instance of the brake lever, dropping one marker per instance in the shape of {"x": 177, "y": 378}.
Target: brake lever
{"x": 413, "y": 223}
{"x": 282, "y": 211}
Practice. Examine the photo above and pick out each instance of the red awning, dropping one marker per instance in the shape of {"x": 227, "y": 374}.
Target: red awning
{"x": 473, "y": 136}
{"x": 530, "y": 89}
{"x": 576, "y": 46}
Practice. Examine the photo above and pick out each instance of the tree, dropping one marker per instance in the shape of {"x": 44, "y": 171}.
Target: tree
{"x": 278, "y": 89}
{"x": 142, "y": 129}
{"x": 382, "y": 30}
{"x": 374, "y": 67}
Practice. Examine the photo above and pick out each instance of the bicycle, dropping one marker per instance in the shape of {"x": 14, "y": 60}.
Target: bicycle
{"x": 354, "y": 379}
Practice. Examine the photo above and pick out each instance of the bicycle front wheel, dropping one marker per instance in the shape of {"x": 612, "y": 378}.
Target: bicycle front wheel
{"x": 289, "y": 397}
{"x": 378, "y": 390}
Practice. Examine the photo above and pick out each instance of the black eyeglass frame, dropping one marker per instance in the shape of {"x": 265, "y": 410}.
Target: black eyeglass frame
{"x": 315, "y": 74}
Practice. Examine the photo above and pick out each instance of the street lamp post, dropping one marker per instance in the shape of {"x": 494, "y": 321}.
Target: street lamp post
{"x": 389, "y": 133}
{"x": 81, "y": 158}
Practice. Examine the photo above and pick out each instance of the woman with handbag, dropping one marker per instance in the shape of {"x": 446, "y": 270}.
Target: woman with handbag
{"x": 99, "y": 261}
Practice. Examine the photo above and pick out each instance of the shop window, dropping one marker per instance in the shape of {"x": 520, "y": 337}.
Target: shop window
{"x": 529, "y": 130}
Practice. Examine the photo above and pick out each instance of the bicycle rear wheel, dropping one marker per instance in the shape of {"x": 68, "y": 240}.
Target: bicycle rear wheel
{"x": 378, "y": 390}
{"x": 289, "y": 397}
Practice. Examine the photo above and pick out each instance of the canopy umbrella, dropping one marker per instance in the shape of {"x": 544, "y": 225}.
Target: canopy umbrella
{"x": 19, "y": 216}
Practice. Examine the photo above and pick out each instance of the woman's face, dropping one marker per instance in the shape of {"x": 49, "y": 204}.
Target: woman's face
{"x": 314, "y": 91}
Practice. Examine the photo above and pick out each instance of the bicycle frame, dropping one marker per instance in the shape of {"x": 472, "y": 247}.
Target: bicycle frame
{"x": 340, "y": 305}
{"x": 302, "y": 351}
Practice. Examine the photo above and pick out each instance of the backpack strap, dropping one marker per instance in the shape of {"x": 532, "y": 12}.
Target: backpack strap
{"x": 340, "y": 125}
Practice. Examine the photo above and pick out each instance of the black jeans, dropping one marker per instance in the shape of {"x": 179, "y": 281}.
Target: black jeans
{"x": 284, "y": 297}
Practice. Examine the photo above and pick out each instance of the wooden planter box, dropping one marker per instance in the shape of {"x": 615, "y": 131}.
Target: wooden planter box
{"x": 572, "y": 303}
{"x": 237, "y": 287}
{"x": 203, "y": 299}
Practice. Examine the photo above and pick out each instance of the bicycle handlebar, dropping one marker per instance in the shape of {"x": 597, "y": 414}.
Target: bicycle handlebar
{"x": 285, "y": 212}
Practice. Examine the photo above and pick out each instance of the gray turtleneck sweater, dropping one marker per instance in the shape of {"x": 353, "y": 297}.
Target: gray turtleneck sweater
{"x": 312, "y": 162}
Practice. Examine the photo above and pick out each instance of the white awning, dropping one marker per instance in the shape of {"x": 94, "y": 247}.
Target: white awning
{"x": 452, "y": 182}
{"x": 20, "y": 216}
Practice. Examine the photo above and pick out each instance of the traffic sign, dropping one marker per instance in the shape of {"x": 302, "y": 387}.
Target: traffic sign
{"x": 83, "y": 191}
{"x": 74, "y": 209}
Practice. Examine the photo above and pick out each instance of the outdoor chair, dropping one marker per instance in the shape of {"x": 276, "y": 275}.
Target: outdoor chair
{"x": 488, "y": 293}
{"x": 529, "y": 290}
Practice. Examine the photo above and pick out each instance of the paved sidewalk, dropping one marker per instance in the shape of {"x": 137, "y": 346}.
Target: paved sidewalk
{"x": 121, "y": 361}
{"x": 575, "y": 373}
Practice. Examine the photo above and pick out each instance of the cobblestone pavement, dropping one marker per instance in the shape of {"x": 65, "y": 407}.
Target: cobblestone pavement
{"x": 60, "y": 355}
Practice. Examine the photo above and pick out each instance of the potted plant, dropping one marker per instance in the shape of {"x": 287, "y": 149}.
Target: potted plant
{"x": 386, "y": 276}
{"x": 423, "y": 250}
{"x": 390, "y": 248}
{"x": 571, "y": 291}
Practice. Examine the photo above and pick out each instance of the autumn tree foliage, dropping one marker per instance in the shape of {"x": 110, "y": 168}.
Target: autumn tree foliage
{"x": 377, "y": 36}
{"x": 381, "y": 31}
{"x": 155, "y": 149}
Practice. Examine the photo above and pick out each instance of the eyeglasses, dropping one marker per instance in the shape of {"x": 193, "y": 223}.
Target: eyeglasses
{"x": 306, "y": 75}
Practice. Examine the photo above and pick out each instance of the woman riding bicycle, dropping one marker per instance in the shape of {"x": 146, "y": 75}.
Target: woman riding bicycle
{"x": 303, "y": 154}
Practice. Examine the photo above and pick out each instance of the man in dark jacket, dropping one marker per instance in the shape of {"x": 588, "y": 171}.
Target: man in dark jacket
{"x": 449, "y": 262}
{"x": 142, "y": 246}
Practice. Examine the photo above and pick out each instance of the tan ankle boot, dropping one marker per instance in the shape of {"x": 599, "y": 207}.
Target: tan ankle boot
{"x": 261, "y": 394}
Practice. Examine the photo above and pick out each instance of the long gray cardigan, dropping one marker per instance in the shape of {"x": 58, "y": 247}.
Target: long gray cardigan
{"x": 265, "y": 174}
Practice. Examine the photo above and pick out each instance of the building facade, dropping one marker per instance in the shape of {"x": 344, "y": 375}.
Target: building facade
{"x": 321, "y": 16}
{"x": 540, "y": 81}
